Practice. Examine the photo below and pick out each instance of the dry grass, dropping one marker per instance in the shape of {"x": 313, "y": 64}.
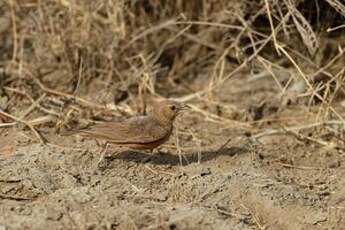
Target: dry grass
{"x": 67, "y": 50}
{"x": 67, "y": 63}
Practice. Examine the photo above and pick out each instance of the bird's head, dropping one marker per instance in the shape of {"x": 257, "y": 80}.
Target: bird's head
{"x": 167, "y": 110}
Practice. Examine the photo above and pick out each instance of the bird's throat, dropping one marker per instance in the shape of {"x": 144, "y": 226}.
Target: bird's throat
{"x": 164, "y": 121}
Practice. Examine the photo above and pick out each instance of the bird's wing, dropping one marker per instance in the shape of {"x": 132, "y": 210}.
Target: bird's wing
{"x": 142, "y": 129}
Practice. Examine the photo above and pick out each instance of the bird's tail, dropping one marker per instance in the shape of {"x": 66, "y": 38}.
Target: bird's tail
{"x": 80, "y": 131}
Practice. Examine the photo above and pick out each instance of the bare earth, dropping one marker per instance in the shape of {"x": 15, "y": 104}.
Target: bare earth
{"x": 279, "y": 181}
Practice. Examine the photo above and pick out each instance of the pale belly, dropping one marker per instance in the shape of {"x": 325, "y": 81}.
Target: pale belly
{"x": 143, "y": 146}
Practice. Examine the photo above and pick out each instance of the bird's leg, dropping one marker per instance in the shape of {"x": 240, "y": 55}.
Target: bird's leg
{"x": 148, "y": 157}
{"x": 180, "y": 158}
{"x": 103, "y": 153}
{"x": 177, "y": 143}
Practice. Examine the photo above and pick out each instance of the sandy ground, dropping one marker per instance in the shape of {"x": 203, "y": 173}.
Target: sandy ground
{"x": 280, "y": 181}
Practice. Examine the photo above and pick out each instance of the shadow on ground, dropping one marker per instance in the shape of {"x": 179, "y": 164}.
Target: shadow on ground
{"x": 167, "y": 158}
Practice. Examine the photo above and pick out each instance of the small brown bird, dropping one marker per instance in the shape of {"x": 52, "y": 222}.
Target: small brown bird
{"x": 140, "y": 132}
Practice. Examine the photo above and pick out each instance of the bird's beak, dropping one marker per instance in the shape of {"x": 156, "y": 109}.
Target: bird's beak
{"x": 184, "y": 107}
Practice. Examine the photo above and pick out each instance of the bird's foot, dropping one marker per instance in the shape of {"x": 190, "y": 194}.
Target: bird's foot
{"x": 102, "y": 164}
{"x": 146, "y": 159}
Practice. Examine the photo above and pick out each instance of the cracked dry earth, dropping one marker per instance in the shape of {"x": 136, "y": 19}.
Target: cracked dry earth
{"x": 279, "y": 182}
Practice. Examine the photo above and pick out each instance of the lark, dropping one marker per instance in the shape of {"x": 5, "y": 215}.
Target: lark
{"x": 140, "y": 132}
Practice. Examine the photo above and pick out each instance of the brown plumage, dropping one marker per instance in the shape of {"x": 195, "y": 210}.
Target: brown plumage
{"x": 141, "y": 132}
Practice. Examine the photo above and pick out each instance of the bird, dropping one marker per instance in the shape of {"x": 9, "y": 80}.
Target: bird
{"x": 145, "y": 132}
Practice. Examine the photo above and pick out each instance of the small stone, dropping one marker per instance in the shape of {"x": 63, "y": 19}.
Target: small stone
{"x": 205, "y": 172}
{"x": 162, "y": 196}
{"x": 334, "y": 164}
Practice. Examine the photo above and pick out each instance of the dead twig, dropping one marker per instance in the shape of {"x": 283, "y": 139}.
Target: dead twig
{"x": 257, "y": 220}
{"x": 17, "y": 198}
{"x": 38, "y": 136}
{"x": 297, "y": 128}
{"x": 299, "y": 167}
{"x": 305, "y": 138}
{"x": 70, "y": 96}
{"x": 223, "y": 145}
{"x": 158, "y": 172}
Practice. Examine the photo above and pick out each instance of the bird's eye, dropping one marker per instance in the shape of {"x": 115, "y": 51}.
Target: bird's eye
{"x": 173, "y": 107}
